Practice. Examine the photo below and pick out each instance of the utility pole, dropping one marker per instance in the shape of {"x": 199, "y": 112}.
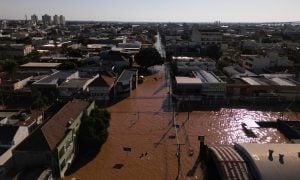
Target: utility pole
{"x": 178, "y": 160}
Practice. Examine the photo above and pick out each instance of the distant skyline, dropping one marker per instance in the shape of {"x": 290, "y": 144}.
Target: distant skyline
{"x": 156, "y": 10}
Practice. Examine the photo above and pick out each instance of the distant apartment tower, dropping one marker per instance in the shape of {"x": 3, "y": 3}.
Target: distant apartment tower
{"x": 4, "y": 24}
{"x": 56, "y": 20}
{"x": 34, "y": 19}
{"x": 62, "y": 20}
{"x": 46, "y": 19}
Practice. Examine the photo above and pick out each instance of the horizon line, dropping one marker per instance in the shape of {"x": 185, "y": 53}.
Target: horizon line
{"x": 135, "y": 21}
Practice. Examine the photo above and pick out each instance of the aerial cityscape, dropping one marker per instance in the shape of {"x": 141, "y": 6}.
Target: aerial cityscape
{"x": 158, "y": 90}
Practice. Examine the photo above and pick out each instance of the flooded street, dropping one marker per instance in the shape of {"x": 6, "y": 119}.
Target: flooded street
{"x": 143, "y": 123}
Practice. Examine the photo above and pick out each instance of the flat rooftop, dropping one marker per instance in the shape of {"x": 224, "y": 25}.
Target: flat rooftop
{"x": 188, "y": 80}
{"x": 74, "y": 83}
{"x": 192, "y": 59}
{"x": 53, "y": 78}
{"x": 40, "y": 65}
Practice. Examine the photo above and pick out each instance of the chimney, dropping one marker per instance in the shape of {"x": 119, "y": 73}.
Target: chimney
{"x": 271, "y": 154}
{"x": 281, "y": 158}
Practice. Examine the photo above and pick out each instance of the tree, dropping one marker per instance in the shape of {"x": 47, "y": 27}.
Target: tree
{"x": 148, "y": 57}
{"x": 214, "y": 52}
{"x": 26, "y": 40}
{"x": 9, "y": 66}
{"x": 37, "y": 99}
{"x": 33, "y": 56}
{"x": 74, "y": 52}
{"x": 93, "y": 129}
{"x": 222, "y": 63}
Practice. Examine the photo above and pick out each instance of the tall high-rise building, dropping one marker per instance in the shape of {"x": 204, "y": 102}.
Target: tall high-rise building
{"x": 62, "y": 20}
{"x": 56, "y": 20}
{"x": 4, "y": 24}
{"x": 34, "y": 19}
{"x": 46, "y": 19}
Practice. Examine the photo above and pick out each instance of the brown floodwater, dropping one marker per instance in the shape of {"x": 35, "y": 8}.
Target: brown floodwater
{"x": 142, "y": 123}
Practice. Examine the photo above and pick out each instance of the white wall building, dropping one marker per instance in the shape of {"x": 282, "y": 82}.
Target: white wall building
{"x": 62, "y": 20}
{"x": 34, "y": 19}
{"x": 56, "y": 20}
{"x": 257, "y": 64}
{"x": 189, "y": 64}
{"x": 207, "y": 37}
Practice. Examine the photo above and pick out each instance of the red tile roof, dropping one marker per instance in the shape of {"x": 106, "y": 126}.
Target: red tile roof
{"x": 53, "y": 131}
{"x": 55, "y": 128}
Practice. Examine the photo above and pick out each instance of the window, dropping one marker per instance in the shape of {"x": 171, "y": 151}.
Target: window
{"x": 63, "y": 164}
{"x": 61, "y": 152}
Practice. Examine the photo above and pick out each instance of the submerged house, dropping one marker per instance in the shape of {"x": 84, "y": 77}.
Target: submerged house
{"x": 126, "y": 82}
{"x": 102, "y": 88}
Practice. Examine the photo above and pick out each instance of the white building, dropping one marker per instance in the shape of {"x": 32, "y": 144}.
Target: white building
{"x": 56, "y": 20}
{"x": 202, "y": 83}
{"x": 189, "y": 64}
{"x": 257, "y": 64}
{"x": 62, "y": 20}
{"x": 14, "y": 50}
{"x": 4, "y": 24}
{"x": 34, "y": 19}
{"x": 206, "y": 37}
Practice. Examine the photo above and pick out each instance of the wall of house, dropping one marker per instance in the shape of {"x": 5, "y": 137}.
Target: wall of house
{"x": 26, "y": 159}
{"x": 99, "y": 93}
{"x": 65, "y": 151}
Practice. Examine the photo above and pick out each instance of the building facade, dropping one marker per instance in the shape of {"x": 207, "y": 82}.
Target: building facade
{"x": 46, "y": 19}
{"x": 34, "y": 19}
{"x": 56, "y": 20}
{"x": 206, "y": 37}
{"x": 56, "y": 139}
{"x": 62, "y": 20}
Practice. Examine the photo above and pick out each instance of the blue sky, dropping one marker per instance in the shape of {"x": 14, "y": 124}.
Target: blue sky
{"x": 156, "y": 10}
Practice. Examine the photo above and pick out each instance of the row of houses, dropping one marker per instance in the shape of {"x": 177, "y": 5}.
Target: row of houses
{"x": 207, "y": 84}
{"x": 67, "y": 84}
{"x": 194, "y": 79}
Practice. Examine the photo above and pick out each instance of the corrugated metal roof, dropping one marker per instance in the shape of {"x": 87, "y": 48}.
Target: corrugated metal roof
{"x": 283, "y": 82}
{"x": 187, "y": 80}
{"x": 251, "y": 81}
{"x": 230, "y": 164}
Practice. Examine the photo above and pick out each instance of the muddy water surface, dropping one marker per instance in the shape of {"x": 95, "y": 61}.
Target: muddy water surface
{"x": 142, "y": 123}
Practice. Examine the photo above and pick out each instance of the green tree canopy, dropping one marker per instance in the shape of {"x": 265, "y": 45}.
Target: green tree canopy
{"x": 74, "y": 52}
{"x": 148, "y": 57}
{"x": 93, "y": 129}
{"x": 9, "y": 65}
{"x": 214, "y": 52}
